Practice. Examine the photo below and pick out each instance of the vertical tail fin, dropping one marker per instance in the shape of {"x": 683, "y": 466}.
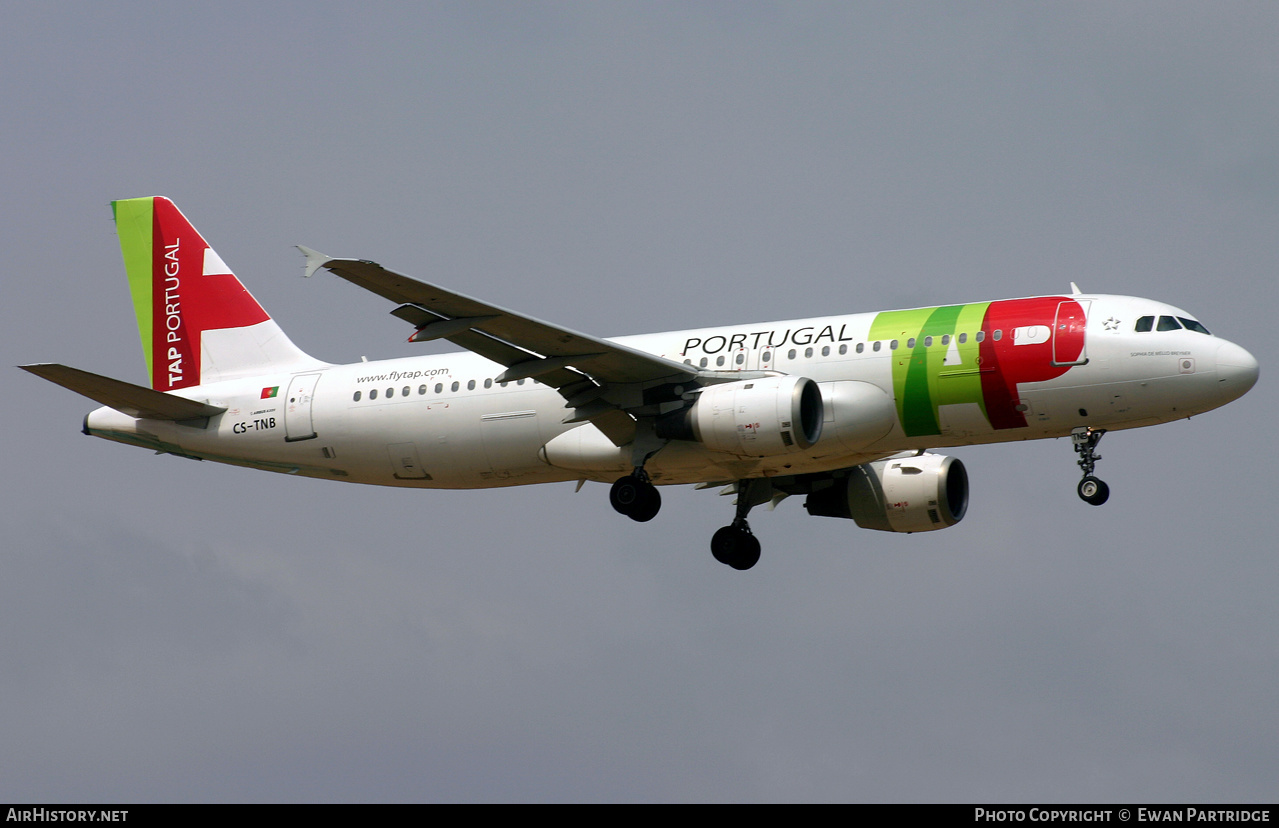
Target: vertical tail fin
{"x": 198, "y": 324}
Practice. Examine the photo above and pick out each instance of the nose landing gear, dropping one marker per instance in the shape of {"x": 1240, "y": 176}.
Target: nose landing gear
{"x": 1091, "y": 490}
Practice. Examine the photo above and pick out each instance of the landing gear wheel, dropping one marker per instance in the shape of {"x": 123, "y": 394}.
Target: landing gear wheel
{"x": 635, "y": 497}
{"x": 650, "y": 503}
{"x": 723, "y": 542}
{"x": 736, "y": 547}
{"x": 1093, "y": 491}
{"x": 625, "y": 494}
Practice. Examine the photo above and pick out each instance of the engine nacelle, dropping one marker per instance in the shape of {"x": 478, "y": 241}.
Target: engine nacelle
{"x": 751, "y": 418}
{"x": 900, "y": 494}
{"x": 857, "y": 414}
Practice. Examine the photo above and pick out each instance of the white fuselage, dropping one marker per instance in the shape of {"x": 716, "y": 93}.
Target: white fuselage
{"x": 442, "y": 422}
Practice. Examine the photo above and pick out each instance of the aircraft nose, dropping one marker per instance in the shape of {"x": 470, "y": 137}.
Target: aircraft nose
{"x": 1237, "y": 370}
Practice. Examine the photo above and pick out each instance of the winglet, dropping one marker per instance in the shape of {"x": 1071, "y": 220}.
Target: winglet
{"x": 314, "y": 260}
{"x": 1074, "y": 289}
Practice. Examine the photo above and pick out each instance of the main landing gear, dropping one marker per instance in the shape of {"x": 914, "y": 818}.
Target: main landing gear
{"x": 735, "y": 544}
{"x": 636, "y": 497}
{"x": 1091, "y": 490}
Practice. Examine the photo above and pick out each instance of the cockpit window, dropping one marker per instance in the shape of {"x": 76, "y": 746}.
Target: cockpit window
{"x": 1145, "y": 323}
{"x": 1168, "y": 323}
{"x": 1192, "y": 325}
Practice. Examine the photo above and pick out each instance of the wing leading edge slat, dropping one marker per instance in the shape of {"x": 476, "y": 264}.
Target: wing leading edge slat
{"x": 505, "y": 336}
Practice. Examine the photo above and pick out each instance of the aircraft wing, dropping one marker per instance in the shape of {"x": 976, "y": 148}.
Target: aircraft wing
{"x": 528, "y": 347}
{"x": 538, "y": 346}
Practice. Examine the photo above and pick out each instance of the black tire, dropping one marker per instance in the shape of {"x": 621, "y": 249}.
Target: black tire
{"x": 1093, "y": 491}
{"x": 723, "y": 542}
{"x": 625, "y": 494}
{"x": 735, "y": 547}
{"x": 649, "y": 504}
{"x": 747, "y": 554}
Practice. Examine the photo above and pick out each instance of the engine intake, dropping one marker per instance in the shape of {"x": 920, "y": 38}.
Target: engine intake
{"x": 901, "y": 494}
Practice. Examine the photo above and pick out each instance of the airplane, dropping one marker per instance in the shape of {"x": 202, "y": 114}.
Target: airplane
{"x": 842, "y": 409}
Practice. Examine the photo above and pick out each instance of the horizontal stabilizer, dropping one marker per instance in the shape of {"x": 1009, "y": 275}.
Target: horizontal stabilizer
{"x": 125, "y": 397}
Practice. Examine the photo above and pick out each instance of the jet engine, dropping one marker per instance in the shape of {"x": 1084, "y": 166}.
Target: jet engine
{"x": 916, "y": 493}
{"x": 751, "y": 418}
{"x": 857, "y": 414}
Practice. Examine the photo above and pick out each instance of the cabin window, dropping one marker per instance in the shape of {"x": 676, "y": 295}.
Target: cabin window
{"x": 719, "y": 362}
{"x": 981, "y": 336}
{"x": 768, "y": 355}
{"x": 741, "y": 358}
{"x": 861, "y": 347}
{"x": 454, "y": 386}
{"x": 356, "y": 398}
{"x": 825, "y": 350}
{"x": 875, "y": 347}
{"x": 910, "y": 343}
{"x": 945, "y": 339}
{"x": 963, "y": 337}
{"x": 520, "y": 382}
{"x": 470, "y": 385}
{"x": 488, "y": 383}
{"x": 790, "y": 354}
{"x": 373, "y": 394}
{"x": 928, "y": 341}
{"x": 999, "y": 334}
{"x": 1168, "y": 323}
{"x": 404, "y": 392}
{"x": 688, "y": 362}
{"x": 843, "y": 349}
{"x": 893, "y": 345}
{"x": 703, "y": 362}
{"x": 390, "y": 392}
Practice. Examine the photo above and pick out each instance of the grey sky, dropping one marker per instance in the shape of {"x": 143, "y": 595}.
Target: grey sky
{"x": 184, "y": 631}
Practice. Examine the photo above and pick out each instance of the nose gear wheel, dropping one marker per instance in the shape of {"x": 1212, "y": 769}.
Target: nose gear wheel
{"x": 1093, "y": 491}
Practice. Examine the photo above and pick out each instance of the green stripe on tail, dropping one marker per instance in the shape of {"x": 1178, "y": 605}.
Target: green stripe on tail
{"x": 135, "y": 225}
